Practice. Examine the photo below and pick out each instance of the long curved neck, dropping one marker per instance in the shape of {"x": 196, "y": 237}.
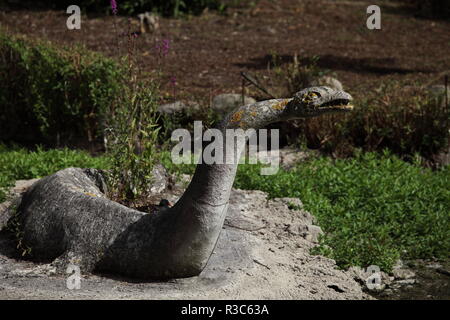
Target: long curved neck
{"x": 200, "y": 213}
{"x": 212, "y": 183}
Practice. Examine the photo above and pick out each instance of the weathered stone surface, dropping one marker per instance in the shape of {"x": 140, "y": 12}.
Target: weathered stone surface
{"x": 312, "y": 233}
{"x": 328, "y": 81}
{"x": 443, "y": 158}
{"x": 226, "y": 102}
{"x": 231, "y": 271}
{"x": 66, "y": 217}
{"x": 160, "y": 180}
{"x": 358, "y": 274}
{"x": 178, "y": 106}
{"x": 362, "y": 277}
{"x": 402, "y": 273}
{"x": 405, "y": 282}
{"x": 149, "y": 22}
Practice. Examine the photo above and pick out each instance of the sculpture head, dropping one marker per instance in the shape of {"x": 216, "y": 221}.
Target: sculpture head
{"x": 315, "y": 101}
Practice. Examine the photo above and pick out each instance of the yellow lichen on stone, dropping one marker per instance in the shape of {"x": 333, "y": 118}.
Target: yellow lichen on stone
{"x": 308, "y": 97}
{"x": 90, "y": 194}
{"x": 280, "y": 105}
{"x": 237, "y": 116}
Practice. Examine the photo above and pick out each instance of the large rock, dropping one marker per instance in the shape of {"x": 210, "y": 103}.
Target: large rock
{"x": 286, "y": 157}
{"x": 329, "y": 82}
{"x": 66, "y": 218}
{"x": 149, "y": 22}
{"x": 178, "y": 106}
{"x": 160, "y": 180}
{"x": 362, "y": 276}
{"x": 224, "y": 103}
{"x": 403, "y": 274}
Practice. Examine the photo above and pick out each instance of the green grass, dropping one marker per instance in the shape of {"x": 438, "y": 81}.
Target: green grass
{"x": 16, "y": 164}
{"x": 373, "y": 208}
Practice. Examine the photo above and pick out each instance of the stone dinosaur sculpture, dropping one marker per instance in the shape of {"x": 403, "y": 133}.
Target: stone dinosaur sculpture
{"x": 66, "y": 216}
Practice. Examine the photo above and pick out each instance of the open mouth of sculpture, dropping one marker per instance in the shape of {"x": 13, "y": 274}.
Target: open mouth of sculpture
{"x": 342, "y": 104}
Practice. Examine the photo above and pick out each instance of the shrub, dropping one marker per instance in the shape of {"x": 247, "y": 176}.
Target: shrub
{"x": 132, "y": 141}
{"x": 372, "y": 208}
{"x": 405, "y": 120}
{"x": 50, "y": 94}
{"x": 396, "y": 116}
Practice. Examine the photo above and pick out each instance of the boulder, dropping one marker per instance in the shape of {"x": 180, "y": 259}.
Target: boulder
{"x": 362, "y": 276}
{"x": 149, "y": 22}
{"x": 312, "y": 233}
{"x": 160, "y": 180}
{"x": 309, "y": 232}
{"x": 224, "y": 103}
{"x": 178, "y": 106}
{"x": 403, "y": 273}
{"x": 328, "y": 81}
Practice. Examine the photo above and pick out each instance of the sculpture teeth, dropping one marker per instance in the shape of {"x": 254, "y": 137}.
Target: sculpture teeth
{"x": 343, "y": 104}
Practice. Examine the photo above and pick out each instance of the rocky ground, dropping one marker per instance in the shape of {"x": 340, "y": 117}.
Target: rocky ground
{"x": 262, "y": 253}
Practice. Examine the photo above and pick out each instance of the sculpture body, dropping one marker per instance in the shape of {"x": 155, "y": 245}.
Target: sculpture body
{"x": 66, "y": 216}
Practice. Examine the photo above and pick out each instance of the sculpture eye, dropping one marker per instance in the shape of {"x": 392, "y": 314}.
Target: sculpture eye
{"x": 314, "y": 95}
{"x": 310, "y": 96}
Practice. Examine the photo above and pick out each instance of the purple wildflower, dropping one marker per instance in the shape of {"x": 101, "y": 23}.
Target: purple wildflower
{"x": 163, "y": 47}
{"x": 173, "y": 82}
{"x": 114, "y": 6}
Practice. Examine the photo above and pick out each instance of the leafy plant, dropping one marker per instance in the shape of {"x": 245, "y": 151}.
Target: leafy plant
{"x": 53, "y": 95}
{"x": 405, "y": 120}
{"x": 132, "y": 131}
{"x": 402, "y": 117}
{"x": 373, "y": 208}
{"x": 132, "y": 141}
